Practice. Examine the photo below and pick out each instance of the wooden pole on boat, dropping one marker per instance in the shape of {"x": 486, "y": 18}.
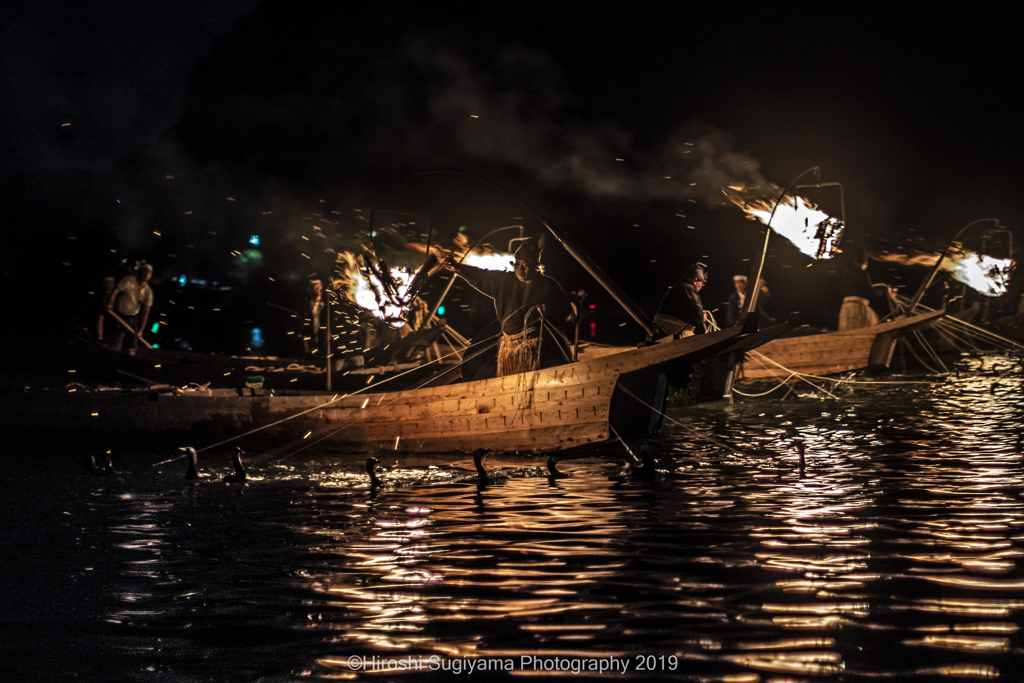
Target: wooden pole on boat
{"x": 605, "y": 282}
{"x": 118, "y": 318}
{"x": 587, "y": 264}
{"x": 327, "y": 307}
{"x": 938, "y": 264}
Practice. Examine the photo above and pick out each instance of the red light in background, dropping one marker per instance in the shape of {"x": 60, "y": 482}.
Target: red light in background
{"x": 593, "y": 328}
{"x": 593, "y": 306}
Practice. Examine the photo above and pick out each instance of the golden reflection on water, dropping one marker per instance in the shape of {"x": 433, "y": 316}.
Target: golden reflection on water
{"x": 896, "y": 555}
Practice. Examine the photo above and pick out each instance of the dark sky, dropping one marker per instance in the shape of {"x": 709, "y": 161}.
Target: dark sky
{"x": 915, "y": 108}
{"x": 114, "y": 70}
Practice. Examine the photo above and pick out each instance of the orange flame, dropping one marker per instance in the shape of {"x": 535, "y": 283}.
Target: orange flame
{"x": 984, "y": 274}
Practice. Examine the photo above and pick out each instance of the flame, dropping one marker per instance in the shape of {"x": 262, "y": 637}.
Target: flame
{"x": 365, "y": 289}
{"x": 807, "y": 227}
{"x": 489, "y": 261}
{"x": 984, "y": 274}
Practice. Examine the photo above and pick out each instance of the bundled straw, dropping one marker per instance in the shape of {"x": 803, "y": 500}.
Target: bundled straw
{"x": 518, "y": 353}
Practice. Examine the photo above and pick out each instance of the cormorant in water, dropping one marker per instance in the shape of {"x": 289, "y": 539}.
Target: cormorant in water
{"x": 239, "y": 474}
{"x": 553, "y": 468}
{"x": 371, "y": 469}
{"x": 95, "y": 470}
{"x": 646, "y": 466}
{"x": 191, "y": 470}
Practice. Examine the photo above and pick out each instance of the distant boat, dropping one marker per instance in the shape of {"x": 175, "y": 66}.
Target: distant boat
{"x": 829, "y": 353}
{"x": 547, "y": 410}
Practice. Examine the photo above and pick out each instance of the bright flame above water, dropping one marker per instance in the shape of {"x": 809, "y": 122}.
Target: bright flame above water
{"x": 984, "y": 274}
{"x": 808, "y": 228}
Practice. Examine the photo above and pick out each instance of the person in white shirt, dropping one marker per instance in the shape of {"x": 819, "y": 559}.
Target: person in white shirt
{"x": 131, "y": 300}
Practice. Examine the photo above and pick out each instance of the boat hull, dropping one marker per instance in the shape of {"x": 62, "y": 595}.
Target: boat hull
{"x": 547, "y": 410}
{"x": 829, "y": 353}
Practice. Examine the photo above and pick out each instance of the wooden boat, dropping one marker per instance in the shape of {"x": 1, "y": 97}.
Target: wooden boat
{"x": 828, "y": 353}
{"x": 710, "y": 379}
{"x": 86, "y": 361}
{"x": 562, "y": 407}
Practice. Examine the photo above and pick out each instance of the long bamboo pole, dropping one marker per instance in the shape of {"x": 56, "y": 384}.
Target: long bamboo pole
{"x": 118, "y": 318}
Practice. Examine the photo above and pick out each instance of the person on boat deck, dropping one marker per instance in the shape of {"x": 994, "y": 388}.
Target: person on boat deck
{"x": 681, "y": 312}
{"x": 858, "y": 292}
{"x": 131, "y": 300}
{"x": 311, "y": 341}
{"x": 105, "y": 323}
{"x": 734, "y": 307}
{"x": 525, "y": 301}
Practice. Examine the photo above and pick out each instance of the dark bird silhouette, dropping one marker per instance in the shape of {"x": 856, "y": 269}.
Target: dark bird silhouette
{"x": 478, "y": 462}
{"x": 646, "y": 466}
{"x": 371, "y": 469}
{"x": 553, "y": 472}
{"x": 239, "y": 475}
{"x": 96, "y": 470}
{"x": 191, "y": 470}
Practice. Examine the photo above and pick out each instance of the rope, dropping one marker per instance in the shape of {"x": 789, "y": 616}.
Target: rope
{"x": 777, "y": 386}
{"x": 692, "y": 431}
{"x": 624, "y": 444}
{"x": 310, "y": 410}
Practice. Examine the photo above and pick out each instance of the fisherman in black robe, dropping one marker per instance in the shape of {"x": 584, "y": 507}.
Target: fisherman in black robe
{"x": 681, "y": 312}
{"x": 527, "y": 303}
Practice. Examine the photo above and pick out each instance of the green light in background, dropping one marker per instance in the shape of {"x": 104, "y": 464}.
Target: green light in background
{"x": 440, "y": 310}
{"x": 156, "y": 346}
{"x": 155, "y": 328}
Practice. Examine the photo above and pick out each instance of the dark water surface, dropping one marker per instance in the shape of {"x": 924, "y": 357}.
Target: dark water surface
{"x": 897, "y": 556}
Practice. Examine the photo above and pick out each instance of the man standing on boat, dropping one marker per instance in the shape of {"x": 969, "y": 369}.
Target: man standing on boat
{"x": 681, "y": 312}
{"x": 131, "y": 300}
{"x": 531, "y": 308}
{"x": 311, "y": 339}
{"x": 858, "y": 291}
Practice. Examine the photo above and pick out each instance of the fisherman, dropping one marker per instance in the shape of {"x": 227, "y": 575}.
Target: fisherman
{"x": 734, "y": 307}
{"x": 314, "y": 312}
{"x": 858, "y": 292}
{"x": 526, "y": 303}
{"x": 681, "y": 312}
{"x": 131, "y": 301}
{"x": 105, "y": 323}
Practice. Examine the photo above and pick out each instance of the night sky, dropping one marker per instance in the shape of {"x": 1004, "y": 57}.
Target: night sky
{"x": 290, "y": 110}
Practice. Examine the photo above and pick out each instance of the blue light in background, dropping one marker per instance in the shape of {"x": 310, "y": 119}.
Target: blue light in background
{"x": 255, "y": 240}
{"x": 256, "y": 338}
{"x": 182, "y": 280}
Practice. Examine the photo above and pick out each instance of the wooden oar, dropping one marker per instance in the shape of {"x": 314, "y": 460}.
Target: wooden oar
{"x": 129, "y": 327}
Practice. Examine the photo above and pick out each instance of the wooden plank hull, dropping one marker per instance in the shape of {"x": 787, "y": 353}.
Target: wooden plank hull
{"x": 831, "y": 352}
{"x": 546, "y": 410}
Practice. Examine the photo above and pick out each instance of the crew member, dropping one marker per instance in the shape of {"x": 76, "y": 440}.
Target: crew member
{"x": 314, "y": 313}
{"x": 681, "y": 312}
{"x": 131, "y": 300}
{"x": 734, "y": 307}
{"x": 858, "y": 292}
{"x": 105, "y": 323}
{"x": 530, "y": 308}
